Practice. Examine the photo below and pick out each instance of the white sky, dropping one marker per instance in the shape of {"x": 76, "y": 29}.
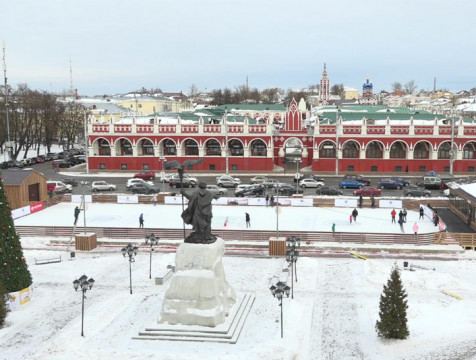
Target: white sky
{"x": 118, "y": 45}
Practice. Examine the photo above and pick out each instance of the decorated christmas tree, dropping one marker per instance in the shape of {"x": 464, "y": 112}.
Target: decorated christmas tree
{"x": 13, "y": 269}
{"x": 393, "y": 309}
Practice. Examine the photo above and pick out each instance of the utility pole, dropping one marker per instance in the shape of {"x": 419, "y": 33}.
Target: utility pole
{"x": 8, "y": 145}
{"x": 337, "y": 140}
{"x": 226, "y": 140}
{"x": 452, "y": 151}
{"x": 86, "y": 150}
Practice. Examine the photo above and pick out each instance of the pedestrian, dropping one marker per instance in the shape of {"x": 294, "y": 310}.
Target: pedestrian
{"x": 360, "y": 201}
{"x": 404, "y": 215}
{"x": 372, "y": 198}
{"x": 400, "y": 221}
{"x": 267, "y": 200}
{"x": 247, "y": 218}
{"x": 76, "y": 214}
{"x": 400, "y": 215}
{"x": 141, "y": 220}
{"x": 406, "y": 168}
{"x": 415, "y": 228}
{"x": 436, "y": 219}
{"x": 350, "y": 218}
{"x": 271, "y": 200}
{"x": 154, "y": 199}
{"x": 354, "y": 214}
{"x": 393, "y": 213}
{"x": 422, "y": 212}
{"x": 333, "y": 229}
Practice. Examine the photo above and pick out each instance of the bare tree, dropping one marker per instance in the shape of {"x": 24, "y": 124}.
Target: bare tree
{"x": 193, "y": 91}
{"x": 270, "y": 96}
{"x": 338, "y": 89}
{"x": 410, "y": 87}
{"x": 397, "y": 86}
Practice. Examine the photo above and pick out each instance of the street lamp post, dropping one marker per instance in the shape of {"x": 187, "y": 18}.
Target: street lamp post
{"x": 291, "y": 257}
{"x": 131, "y": 252}
{"x": 226, "y": 140}
{"x": 277, "y": 210}
{"x": 162, "y": 159}
{"x": 337, "y": 140}
{"x": 152, "y": 240}
{"x": 298, "y": 161}
{"x": 452, "y": 151}
{"x": 85, "y": 284}
{"x": 278, "y": 291}
{"x": 8, "y": 145}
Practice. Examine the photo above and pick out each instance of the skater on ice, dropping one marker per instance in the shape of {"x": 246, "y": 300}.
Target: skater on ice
{"x": 393, "y": 213}
{"x": 141, "y": 220}
{"x": 354, "y": 214}
{"x": 247, "y": 218}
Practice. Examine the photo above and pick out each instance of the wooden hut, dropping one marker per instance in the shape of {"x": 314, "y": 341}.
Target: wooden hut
{"x": 24, "y": 187}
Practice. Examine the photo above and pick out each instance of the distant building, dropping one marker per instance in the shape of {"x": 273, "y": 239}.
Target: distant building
{"x": 324, "y": 87}
{"x": 350, "y": 93}
{"x": 368, "y": 97}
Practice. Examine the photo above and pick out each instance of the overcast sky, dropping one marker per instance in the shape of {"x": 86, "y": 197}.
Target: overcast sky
{"x": 117, "y": 46}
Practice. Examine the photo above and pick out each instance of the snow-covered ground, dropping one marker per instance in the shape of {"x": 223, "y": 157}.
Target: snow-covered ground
{"x": 262, "y": 218}
{"x": 332, "y": 315}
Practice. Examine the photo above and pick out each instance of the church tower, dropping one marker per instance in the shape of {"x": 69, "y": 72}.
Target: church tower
{"x": 324, "y": 87}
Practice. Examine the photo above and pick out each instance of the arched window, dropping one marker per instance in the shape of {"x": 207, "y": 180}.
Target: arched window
{"x": 469, "y": 151}
{"x": 145, "y": 147}
{"x": 191, "y": 147}
{"x": 235, "y": 147}
{"x": 374, "y": 150}
{"x": 104, "y": 148}
{"x": 444, "y": 150}
{"x": 125, "y": 147}
{"x": 213, "y": 148}
{"x": 170, "y": 148}
{"x": 398, "y": 150}
{"x": 421, "y": 151}
{"x": 327, "y": 150}
{"x": 351, "y": 150}
{"x": 258, "y": 148}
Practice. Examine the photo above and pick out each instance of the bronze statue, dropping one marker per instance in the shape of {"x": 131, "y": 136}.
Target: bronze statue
{"x": 199, "y": 215}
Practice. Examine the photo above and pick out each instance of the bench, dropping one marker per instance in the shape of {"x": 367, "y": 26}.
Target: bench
{"x": 168, "y": 275}
{"x": 47, "y": 260}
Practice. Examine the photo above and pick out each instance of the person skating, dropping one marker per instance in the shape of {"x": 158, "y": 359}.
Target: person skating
{"x": 393, "y": 213}
{"x": 415, "y": 228}
{"x": 422, "y": 212}
{"x": 400, "y": 215}
{"x": 404, "y": 215}
{"x": 141, "y": 220}
{"x": 247, "y": 218}
{"x": 350, "y": 218}
{"x": 361, "y": 201}
{"x": 354, "y": 214}
{"x": 400, "y": 222}
{"x": 154, "y": 199}
{"x": 436, "y": 219}
{"x": 333, "y": 229}
{"x": 271, "y": 200}
{"x": 372, "y": 198}
{"x": 267, "y": 200}
{"x": 76, "y": 214}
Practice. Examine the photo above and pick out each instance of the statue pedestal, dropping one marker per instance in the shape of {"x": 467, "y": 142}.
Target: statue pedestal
{"x": 199, "y": 293}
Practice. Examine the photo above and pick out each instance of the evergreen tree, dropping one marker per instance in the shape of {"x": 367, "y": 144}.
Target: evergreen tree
{"x": 393, "y": 309}
{"x": 3, "y": 305}
{"x": 13, "y": 269}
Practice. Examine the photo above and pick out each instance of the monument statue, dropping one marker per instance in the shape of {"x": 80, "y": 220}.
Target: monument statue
{"x": 199, "y": 215}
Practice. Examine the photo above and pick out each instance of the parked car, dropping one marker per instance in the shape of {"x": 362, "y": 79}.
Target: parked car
{"x": 307, "y": 176}
{"x": 368, "y": 190}
{"x": 241, "y": 187}
{"x": 327, "y": 190}
{"x": 351, "y": 184}
{"x": 81, "y": 159}
{"x": 47, "y": 157}
{"x": 310, "y": 183}
{"x": 64, "y": 163}
{"x": 58, "y": 186}
{"x": 146, "y": 174}
{"x": 131, "y": 182}
{"x": 228, "y": 181}
{"x": 288, "y": 190}
{"x": 430, "y": 182}
{"x": 388, "y": 183}
{"x": 54, "y": 156}
{"x": 413, "y": 190}
{"x": 40, "y": 159}
{"x": 70, "y": 181}
{"x": 102, "y": 186}
{"x": 187, "y": 181}
{"x": 145, "y": 189}
{"x": 258, "y": 179}
{"x": 11, "y": 163}
{"x": 217, "y": 190}
{"x": 166, "y": 177}
{"x": 405, "y": 182}
{"x": 358, "y": 178}
{"x": 270, "y": 183}
{"x": 250, "y": 191}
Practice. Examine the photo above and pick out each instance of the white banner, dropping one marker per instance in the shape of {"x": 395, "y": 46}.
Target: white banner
{"x": 237, "y": 201}
{"x": 220, "y": 201}
{"x": 175, "y": 200}
{"x": 127, "y": 199}
{"x": 283, "y": 201}
{"x": 391, "y": 204}
{"x": 19, "y": 298}
{"x": 257, "y": 201}
{"x": 20, "y": 212}
{"x": 301, "y": 202}
{"x": 345, "y": 202}
{"x": 79, "y": 198}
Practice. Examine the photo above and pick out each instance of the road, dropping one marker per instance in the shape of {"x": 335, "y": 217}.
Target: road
{"x": 47, "y": 169}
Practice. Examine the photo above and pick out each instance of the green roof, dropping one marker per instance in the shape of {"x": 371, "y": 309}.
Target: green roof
{"x": 349, "y": 116}
{"x": 253, "y": 107}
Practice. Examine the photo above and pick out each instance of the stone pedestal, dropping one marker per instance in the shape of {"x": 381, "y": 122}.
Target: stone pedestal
{"x": 199, "y": 293}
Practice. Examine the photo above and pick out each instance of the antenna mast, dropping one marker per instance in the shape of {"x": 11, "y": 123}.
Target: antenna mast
{"x": 8, "y": 145}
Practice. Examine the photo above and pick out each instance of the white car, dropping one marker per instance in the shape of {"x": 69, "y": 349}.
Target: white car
{"x": 131, "y": 182}
{"x": 186, "y": 179}
{"x": 310, "y": 183}
{"x": 166, "y": 177}
{"x": 58, "y": 186}
{"x": 228, "y": 181}
{"x": 241, "y": 187}
{"x": 102, "y": 186}
{"x": 217, "y": 190}
{"x": 258, "y": 179}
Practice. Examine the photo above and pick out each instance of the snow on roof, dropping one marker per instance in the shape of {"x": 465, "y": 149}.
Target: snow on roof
{"x": 469, "y": 188}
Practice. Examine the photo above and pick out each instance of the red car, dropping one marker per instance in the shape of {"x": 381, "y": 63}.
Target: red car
{"x": 367, "y": 191}
{"x": 145, "y": 175}
{"x": 40, "y": 159}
